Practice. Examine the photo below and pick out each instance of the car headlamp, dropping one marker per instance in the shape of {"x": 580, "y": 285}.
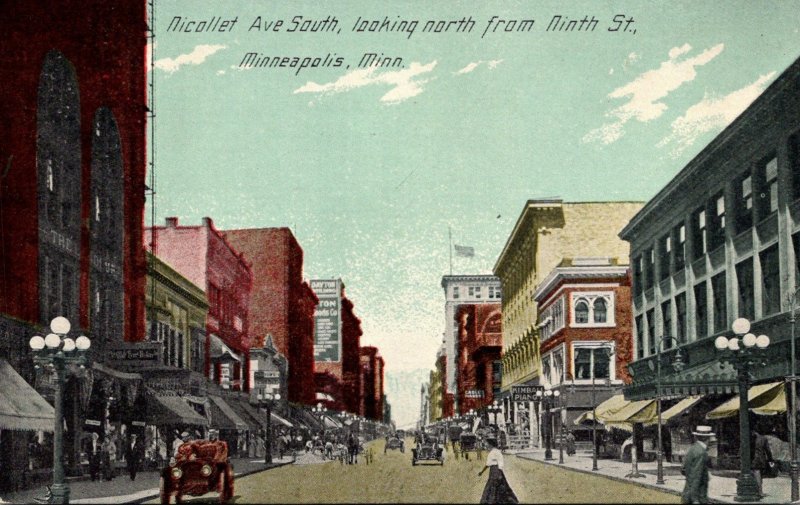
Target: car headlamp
{"x": 205, "y": 471}
{"x": 177, "y": 473}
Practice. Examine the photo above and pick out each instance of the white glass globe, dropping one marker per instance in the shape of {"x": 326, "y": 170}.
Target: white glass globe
{"x": 721, "y": 343}
{"x": 556, "y": 393}
{"x": 733, "y": 344}
{"x": 762, "y": 341}
{"x": 277, "y": 396}
{"x": 741, "y": 326}
{"x": 52, "y": 340}
{"x": 749, "y": 340}
{"x": 83, "y": 343}
{"x": 69, "y": 345}
{"x": 36, "y": 342}
{"x": 60, "y": 325}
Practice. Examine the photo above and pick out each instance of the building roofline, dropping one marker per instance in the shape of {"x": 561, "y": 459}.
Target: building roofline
{"x": 468, "y": 277}
{"x": 582, "y": 272}
{"x": 780, "y": 83}
{"x": 531, "y": 205}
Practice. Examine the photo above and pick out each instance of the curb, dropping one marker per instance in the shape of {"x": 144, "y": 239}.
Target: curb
{"x": 614, "y": 478}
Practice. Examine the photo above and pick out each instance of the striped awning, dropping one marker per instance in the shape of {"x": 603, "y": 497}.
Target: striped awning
{"x": 680, "y": 407}
{"x": 770, "y": 398}
{"x": 224, "y": 417}
{"x": 171, "y": 410}
{"x": 21, "y": 406}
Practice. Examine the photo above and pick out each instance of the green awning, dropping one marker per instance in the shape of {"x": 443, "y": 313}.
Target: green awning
{"x": 21, "y": 406}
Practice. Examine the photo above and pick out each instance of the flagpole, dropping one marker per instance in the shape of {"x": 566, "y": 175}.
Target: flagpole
{"x": 450, "y": 236}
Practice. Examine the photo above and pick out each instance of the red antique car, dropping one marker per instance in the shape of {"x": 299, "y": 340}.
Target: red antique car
{"x": 200, "y": 467}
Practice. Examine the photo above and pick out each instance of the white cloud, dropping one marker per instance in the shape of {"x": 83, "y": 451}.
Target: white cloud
{"x": 196, "y": 57}
{"x": 220, "y": 72}
{"x": 646, "y": 92}
{"x": 491, "y": 64}
{"x": 712, "y": 113}
{"x": 405, "y": 82}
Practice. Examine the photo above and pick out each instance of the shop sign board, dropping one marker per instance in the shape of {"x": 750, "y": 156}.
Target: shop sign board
{"x": 327, "y": 320}
{"x": 525, "y": 393}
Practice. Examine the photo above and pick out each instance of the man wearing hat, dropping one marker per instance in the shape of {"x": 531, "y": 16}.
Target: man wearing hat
{"x": 695, "y": 467}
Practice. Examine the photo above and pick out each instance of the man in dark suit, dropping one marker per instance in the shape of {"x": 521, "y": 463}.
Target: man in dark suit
{"x": 695, "y": 467}
{"x": 133, "y": 455}
{"x": 94, "y": 452}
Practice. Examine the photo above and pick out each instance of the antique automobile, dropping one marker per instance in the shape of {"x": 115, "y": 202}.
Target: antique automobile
{"x": 394, "y": 442}
{"x": 199, "y": 467}
{"x": 469, "y": 442}
{"x": 427, "y": 448}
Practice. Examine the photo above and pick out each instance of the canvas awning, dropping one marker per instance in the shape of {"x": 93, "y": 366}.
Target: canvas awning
{"x": 279, "y": 419}
{"x": 331, "y": 423}
{"x": 611, "y": 405}
{"x": 224, "y": 417}
{"x": 254, "y": 419}
{"x": 680, "y": 407}
{"x": 640, "y": 411}
{"x": 171, "y": 410}
{"x": 762, "y": 399}
{"x": 21, "y": 406}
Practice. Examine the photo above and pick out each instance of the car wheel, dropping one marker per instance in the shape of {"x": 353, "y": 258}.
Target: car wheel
{"x": 413, "y": 462}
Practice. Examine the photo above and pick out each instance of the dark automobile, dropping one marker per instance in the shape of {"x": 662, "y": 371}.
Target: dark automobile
{"x": 394, "y": 442}
{"x": 469, "y": 442}
{"x": 428, "y": 448}
{"x": 199, "y": 467}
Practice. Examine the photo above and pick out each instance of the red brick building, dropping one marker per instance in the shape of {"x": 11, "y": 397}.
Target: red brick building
{"x": 207, "y": 259}
{"x": 480, "y": 343}
{"x": 371, "y": 383}
{"x": 585, "y": 322}
{"x": 281, "y": 303}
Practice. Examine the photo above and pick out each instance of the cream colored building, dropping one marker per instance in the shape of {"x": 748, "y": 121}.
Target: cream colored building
{"x": 547, "y": 231}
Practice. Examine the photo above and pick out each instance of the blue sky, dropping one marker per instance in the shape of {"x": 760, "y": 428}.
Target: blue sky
{"x": 370, "y": 166}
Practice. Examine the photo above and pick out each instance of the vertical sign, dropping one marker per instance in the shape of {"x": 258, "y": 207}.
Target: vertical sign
{"x": 327, "y": 320}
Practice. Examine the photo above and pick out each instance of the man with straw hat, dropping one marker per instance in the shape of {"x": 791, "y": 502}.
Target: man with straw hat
{"x": 695, "y": 467}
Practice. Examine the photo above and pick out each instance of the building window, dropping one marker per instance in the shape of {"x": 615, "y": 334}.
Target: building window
{"x": 592, "y": 361}
{"x": 701, "y": 310}
{"x": 591, "y": 308}
{"x": 664, "y": 254}
{"x": 771, "y": 287}
{"x": 744, "y": 203}
{"x": 651, "y": 331}
{"x": 679, "y": 233}
{"x": 666, "y": 323}
{"x": 599, "y": 310}
{"x": 699, "y": 233}
{"x": 649, "y": 268}
{"x": 681, "y": 332}
{"x": 455, "y": 292}
{"x": 475, "y": 291}
{"x": 552, "y": 319}
{"x": 719, "y": 295}
{"x": 744, "y": 275}
{"x": 637, "y": 275}
{"x": 768, "y": 188}
{"x": 639, "y": 337}
{"x": 794, "y": 164}
{"x": 716, "y": 225}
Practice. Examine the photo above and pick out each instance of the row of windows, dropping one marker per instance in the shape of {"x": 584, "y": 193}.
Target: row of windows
{"x": 714, "y": 315}
{"x": 553, "y": 318}
{"x": 590, "y": 360}
{"x": 754, "y": 198}
{"x": 494, "y": 292}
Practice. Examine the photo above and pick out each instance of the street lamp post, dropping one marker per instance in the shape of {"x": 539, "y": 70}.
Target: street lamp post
{"x": 595, "y": 449}
{"x": 57, "y": 350}
{"x": 742, "y": 357}
{"x": 794, "y": 465}
{"x": 266, "y": 400}
{"x": 546, "y": 399}
{"x": 678, "y": 366}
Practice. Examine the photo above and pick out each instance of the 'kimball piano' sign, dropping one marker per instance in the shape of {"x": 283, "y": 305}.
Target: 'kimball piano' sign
{"x": 525, "y": 393}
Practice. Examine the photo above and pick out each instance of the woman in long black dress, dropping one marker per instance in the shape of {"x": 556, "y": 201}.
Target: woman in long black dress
{"x": 497, "y": 489}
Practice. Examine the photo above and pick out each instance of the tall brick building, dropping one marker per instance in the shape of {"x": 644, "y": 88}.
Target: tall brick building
{"x": 371, "y": 383}
{"x": 480, "y": 342}
{"x": 281, "y": 303}
{"x": 204, "y": 257}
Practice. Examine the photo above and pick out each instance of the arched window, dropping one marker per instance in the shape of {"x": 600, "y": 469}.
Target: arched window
{"x": 582, "y": 312}
{"x": 599, "y": 310}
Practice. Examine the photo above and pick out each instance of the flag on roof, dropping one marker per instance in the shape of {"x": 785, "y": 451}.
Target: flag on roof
{"x": 464, "y": 251}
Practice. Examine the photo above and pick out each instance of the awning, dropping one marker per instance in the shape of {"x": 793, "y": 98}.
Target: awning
{"x": 279, "y": 419}
{"x": 170, "y": 410}
{"x": 680, "y": 407}
{"x": 758, "y": 397}
{"x": 325, "y": 396}
{"x": 21, "y": 406}
{"x": 609, "y": 406}
{"x": 130, "y": 376}
{"x": 254, "y": 419}
{"x": 641, "y": 411}
{"x": 223, "y": 416}
{"x": 331, "y": 423}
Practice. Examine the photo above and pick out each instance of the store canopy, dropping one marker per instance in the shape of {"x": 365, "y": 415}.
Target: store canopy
{"x": 609, "y": 406}
{"x": 331, "y": 423}
{"x": 766, "y": 399}
{"x": 680, "y": 407}
{"x": 166, "y": 410}
{"x": 21, "y": 407}
{"x": 224, "y": 417}
{"x": 254, "y": 419}
{"x": 640, "y": 411}
{"x": 278, "y": 419}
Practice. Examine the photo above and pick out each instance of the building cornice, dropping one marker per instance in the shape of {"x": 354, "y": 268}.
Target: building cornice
{"x": 530, "y": 207}
{"x": 560, "y": 274}
{"x": 486, "y": 278}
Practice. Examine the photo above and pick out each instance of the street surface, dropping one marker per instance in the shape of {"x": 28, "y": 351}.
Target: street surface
{"x": 391, "y": 478}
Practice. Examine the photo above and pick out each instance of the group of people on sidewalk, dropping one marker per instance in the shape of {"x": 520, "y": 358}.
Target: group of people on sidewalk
{"x": 103, "y": 456}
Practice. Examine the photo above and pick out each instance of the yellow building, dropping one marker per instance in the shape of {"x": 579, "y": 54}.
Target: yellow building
{"x": 547, "y": 231}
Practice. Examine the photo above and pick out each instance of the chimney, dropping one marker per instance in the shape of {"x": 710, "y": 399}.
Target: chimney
{"x": 172, "y": 222}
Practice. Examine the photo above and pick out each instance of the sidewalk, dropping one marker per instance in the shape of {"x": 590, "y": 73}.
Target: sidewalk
{"x": 721, "y": 489}
{"x": 124, "y": 490}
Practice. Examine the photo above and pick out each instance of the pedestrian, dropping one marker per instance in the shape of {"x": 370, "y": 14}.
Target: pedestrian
{"x": 94, "y": 451}
{"x": 695, "y": 467}
{"x": 497, "y": 489}
{"x": 570, "y": 442}
{"x": 109, "y": 458}
{"x": 133, "y": 455}
{"x": 762, "y": 462}
{"x": 352, "y": 446}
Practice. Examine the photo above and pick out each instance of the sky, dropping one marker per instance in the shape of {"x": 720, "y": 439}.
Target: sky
{"x": 371, "y": 166}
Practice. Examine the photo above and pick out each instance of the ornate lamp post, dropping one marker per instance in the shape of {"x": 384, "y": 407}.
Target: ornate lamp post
{"x": 794, "y": 465}
{"x": 494, "y": 409}
{"x": 546, "y": 399}
{"x": 677, "y": 364}
{"x": 266, "y": 400}
{"x": 57, "y": 350}
{"x": 742, "y": 357}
